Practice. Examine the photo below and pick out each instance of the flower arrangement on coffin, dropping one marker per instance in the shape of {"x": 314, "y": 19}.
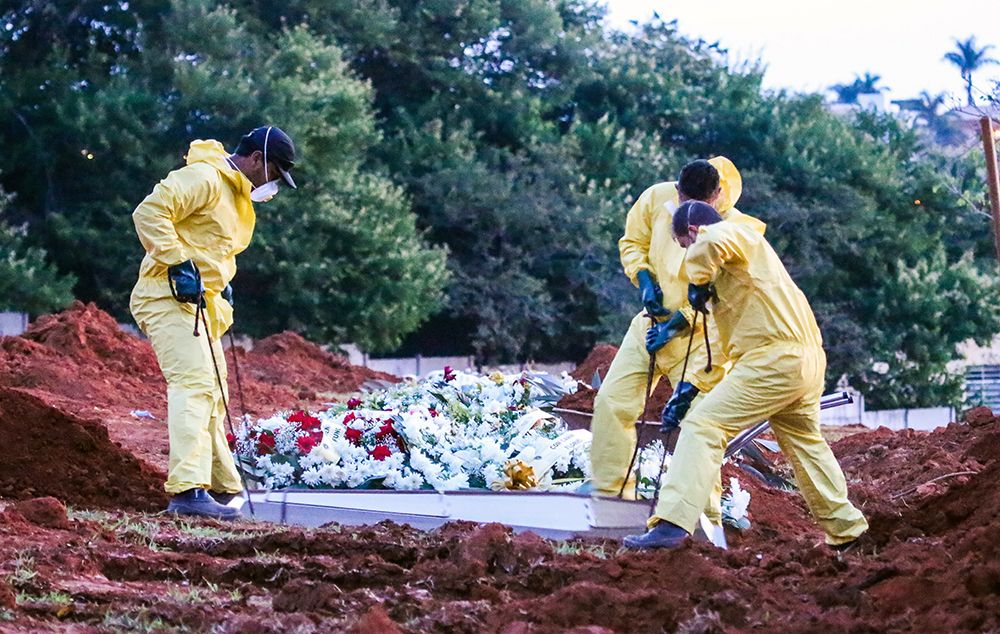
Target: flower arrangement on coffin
{"x": 450, "y": 431}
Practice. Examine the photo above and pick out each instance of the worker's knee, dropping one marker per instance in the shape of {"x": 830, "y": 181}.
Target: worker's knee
{"x": 609, "y": 406}
{"x": 704, "y": 430}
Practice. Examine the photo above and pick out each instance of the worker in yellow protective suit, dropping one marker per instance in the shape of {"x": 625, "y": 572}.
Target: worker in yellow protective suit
{"x": 770, "y": 335}
{"x": 192, "y": 226}
{"x": 651, "y": 259}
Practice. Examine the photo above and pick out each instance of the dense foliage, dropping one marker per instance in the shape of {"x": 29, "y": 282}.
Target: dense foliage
{"x": 466, "y": 170}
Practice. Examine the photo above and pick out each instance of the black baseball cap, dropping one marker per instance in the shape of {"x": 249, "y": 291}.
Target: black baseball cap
{"x": 275, "y": 144}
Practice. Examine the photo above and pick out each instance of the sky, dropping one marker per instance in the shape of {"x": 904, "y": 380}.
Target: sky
{"x": 809, "y": 45}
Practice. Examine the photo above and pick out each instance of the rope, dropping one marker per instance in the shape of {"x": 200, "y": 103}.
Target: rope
{"x": 642, "y": 418}
{"x": 200, "y": 310}
{"x": 708, "y": 347}
{"x": 687, "y": 356}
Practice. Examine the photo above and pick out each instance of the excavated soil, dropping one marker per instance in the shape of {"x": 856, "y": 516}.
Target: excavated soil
{"x": 80, "y": 396}
{"x": 287, "y": 359}
{"x": 48, "y": 452}
{"x": 929, "y": 563}
{"x": 598, "y": 361}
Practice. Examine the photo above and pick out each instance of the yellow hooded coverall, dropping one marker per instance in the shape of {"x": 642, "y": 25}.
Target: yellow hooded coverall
{"x": 648, "y": 244}
{"x": 200, "y": 212}
{"x": 770, "y": 335}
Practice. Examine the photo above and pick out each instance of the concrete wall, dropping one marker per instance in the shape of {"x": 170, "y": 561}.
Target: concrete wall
{"x": 420, "y": 366}
{"x": 13, "y": 324}
{"x": 924, "y": 419}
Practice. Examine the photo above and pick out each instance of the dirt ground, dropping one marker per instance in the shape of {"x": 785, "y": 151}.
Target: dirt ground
{"x": 598, "y": 362}
{"x": 931, "y": 561}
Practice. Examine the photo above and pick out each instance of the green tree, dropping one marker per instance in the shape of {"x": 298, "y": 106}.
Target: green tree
{"x": 28, "y": 282}
{"x": 119, "y": 119}
{"x": 969, "y": 58}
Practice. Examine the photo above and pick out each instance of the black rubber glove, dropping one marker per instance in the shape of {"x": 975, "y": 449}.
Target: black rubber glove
{"x": 661, "y": 333}
{"x": 652, "y": 295}
{"x": 677, "y": 407}
{"x": 185, "y": 282}
{"x": 699, "y": 295}
{"x": 227, "y": 294}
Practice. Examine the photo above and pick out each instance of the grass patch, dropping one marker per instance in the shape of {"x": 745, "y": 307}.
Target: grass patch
{"x": 140, "y": 532}
{"x": 24, "y": 570}
{"x": 569, "y": 548}
{"x": 129, "y": 622}
{"x": 104, "y": 518}
{"x": 59, "y": 599}
{"x": 193, "y": 594}
{"x": 269, "y": 558}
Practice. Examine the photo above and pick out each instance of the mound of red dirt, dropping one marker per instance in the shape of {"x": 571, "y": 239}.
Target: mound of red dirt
{"x": 289, "y": 360}
{"x": 49, "y": 452}
{"x": 598, "y": 361}
{"x": 84, "y": 371}
{"x": 931, "y": 565}
{"x": 81, "y": 354}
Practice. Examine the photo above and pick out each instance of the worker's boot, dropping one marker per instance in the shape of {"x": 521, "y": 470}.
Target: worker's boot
{"x": 199, "y": 503}
{"x": 855, "y": 544}
{"x": 223, "y": 498}
{"x": 663, "y": 535}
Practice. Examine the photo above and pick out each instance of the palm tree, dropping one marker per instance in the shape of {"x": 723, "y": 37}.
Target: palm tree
{"x": 868, "y": 84}
{"x": 968, "y": 58}
{"x": 942, "y": 127}
{"x": 928, "y": 108}
{"x": 862, "y": 85}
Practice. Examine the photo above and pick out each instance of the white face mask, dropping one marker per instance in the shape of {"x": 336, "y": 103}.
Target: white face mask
{"x": 266, "y": 191}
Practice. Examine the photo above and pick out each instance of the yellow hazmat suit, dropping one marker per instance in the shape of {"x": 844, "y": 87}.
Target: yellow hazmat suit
{"x": 648, "y": 244}
{"x": 770, "y": 335}
{"x": 200, "y": 212}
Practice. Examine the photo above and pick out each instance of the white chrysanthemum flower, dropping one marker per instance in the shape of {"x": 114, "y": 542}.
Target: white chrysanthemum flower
{"x": 264, "y": 463}
{"x": 331, "y": 475}
{"x": 311, "y": 477}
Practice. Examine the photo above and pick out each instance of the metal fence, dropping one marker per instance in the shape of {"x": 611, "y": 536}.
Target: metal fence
{"x": 982, "y": 385}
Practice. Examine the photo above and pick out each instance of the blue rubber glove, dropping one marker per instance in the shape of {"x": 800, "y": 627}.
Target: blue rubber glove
{"x": 677, "y": 407}
{"x": 185, "y": 282}
{"x": 652, "y": 295}
{"x": 699, "y": 295}
{"x": 661, "y": 333}
{"x": 227, "y": 294}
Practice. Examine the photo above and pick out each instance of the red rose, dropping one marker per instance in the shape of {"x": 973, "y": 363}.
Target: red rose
{"x": 354, "y": 435}
{"x": 265, "y": 443}
{"x": 354, "y": 403}
{"x": 380, "y": 453}
{"x": 231, "y": 440}
{"x": 386, "y": 429}
{"x": 350, "y": 416}
{"x": 449, "y": 374}
{"x": 305, "y": 421}
{"x": 305, "y": 444}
